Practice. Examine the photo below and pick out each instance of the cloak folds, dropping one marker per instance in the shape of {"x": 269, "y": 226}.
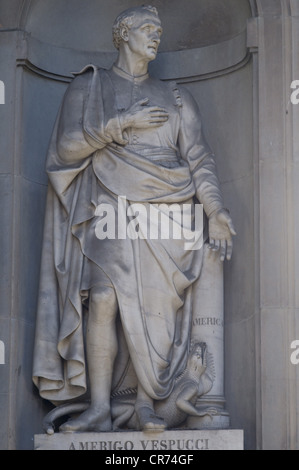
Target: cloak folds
{"x": 152, "y": 278}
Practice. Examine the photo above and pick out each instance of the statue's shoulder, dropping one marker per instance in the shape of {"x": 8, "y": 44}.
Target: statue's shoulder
{"x": 85, "y": 74}
{"x": 89, "y": 68}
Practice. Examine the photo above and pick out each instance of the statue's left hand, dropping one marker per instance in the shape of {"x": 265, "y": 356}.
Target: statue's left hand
{"x": 221, "y": 230}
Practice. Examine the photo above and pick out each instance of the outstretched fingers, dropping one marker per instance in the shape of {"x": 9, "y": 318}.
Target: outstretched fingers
{"x": 229, "y": 249}
{"x": 225, "y": 247}
{"x": 223, "y": 250}
{"x": 231, "y": 227}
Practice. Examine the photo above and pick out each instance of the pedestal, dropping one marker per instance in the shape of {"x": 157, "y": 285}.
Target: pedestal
{"x": 208, "y": 327}
{"x": 178, "y": 440}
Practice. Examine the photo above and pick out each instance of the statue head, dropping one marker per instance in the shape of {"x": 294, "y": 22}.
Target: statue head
{"x": 126, "y": 20}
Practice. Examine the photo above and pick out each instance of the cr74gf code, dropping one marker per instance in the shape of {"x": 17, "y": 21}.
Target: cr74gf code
{"x": 164, "y": 459}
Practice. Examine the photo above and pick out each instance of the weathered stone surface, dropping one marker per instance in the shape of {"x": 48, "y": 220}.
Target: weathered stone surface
{"x": 229, "y": 439}
{"x": 253, "y": 128}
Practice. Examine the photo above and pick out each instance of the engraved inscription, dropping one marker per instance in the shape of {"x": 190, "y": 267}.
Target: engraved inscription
{"x": 151, "y": 444}
{"x": 207, "y": 321}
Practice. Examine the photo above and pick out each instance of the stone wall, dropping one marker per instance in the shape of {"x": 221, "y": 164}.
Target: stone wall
{"x": 238, "y": 58}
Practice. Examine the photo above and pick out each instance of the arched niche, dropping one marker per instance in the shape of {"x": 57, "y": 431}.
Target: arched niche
{"x": 209, "y": 37}
{"x": 203, "y": 47}
{"x": 87, "y": 25}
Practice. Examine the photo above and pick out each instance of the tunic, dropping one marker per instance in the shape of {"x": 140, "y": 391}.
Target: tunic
{"x": 88, "y": 169}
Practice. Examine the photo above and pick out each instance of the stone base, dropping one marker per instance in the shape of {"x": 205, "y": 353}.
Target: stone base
{"x": 228, "y": 439}
{"x": 219, "y": 421}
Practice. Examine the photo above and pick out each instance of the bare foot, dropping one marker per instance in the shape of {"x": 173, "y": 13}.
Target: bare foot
{"x": 93, "y": 419}
{"x": 148, "y": 420}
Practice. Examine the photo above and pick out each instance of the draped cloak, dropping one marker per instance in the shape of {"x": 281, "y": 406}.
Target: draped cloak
{"x": 152, "y": 278}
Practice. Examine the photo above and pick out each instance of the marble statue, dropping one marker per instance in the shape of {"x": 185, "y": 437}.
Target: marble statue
{"x": 196, "y": 380}
{"x": 114, "y": 311}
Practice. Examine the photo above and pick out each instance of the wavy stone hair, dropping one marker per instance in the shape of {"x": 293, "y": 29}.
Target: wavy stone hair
{"x": 126, "y": 19}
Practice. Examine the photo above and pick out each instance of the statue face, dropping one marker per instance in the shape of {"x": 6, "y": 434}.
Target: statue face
{"x": 143, "y": 38}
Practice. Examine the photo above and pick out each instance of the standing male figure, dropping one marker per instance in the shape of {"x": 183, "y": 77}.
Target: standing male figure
{"x": 121, "y": 133}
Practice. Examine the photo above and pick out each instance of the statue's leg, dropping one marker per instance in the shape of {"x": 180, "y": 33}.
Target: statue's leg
{"x": 147, "y": 418}
{"x": 101, "y": 349}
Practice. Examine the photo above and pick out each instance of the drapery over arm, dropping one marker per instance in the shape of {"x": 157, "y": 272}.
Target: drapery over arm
{"x": 84, "y": 125}
{"x": 78, "y": 137}
{"x": 59, "y": 361}
{"x": 195, "y": 150}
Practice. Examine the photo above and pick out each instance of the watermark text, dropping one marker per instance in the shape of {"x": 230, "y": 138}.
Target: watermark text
{"x": 151, "y": 222}
{"x": 2, "y": 92}
{"x": 295, "y": 94}
{"x": 295, "y": 354}
{"x": 2, "y": 353}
